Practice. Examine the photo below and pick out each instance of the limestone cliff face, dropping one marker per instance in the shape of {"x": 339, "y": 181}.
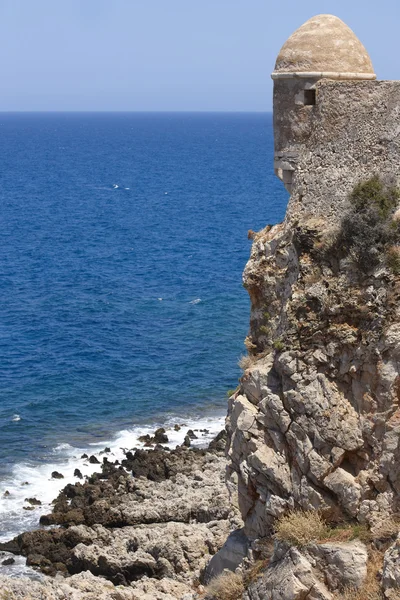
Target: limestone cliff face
{"x": 316, "y": 421}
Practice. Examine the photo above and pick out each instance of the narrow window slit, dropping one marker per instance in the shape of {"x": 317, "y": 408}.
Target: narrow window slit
{"x": 309, "y": 97}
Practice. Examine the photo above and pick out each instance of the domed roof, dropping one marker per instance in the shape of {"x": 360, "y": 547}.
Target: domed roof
{"x": 324, "y": 47}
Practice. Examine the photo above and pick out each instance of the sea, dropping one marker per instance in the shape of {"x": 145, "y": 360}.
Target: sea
{"x": 123, "y": 241}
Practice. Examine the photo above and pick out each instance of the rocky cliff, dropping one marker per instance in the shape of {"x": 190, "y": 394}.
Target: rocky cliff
{"x": 315, "y": 422}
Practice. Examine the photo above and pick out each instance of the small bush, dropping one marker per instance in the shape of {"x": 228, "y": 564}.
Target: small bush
{"x": 299, "y": 528}
{"x": 227, "y": 586}
{"x": 375, "y": 193}
{"x": 264, "y": 329}
{"x": 368, "y": 230}
{"x": 278, "y": 345}
{"x": 393, "y": 259}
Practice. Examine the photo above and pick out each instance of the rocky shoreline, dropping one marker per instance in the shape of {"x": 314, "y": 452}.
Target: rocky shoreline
{"x": 141, "y": 528}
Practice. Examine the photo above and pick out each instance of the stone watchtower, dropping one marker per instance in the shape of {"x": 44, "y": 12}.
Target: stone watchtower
{"x": 323, "y": 48}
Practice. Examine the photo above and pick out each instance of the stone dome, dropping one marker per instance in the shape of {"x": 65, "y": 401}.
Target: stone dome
{"x": 324, "y": 47}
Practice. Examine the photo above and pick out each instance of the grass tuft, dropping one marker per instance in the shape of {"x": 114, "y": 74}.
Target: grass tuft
{"x": 227, "y": 586}
{"x": 299, "y": 528}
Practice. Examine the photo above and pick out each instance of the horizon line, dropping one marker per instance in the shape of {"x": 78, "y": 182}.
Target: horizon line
{"x": 136, "y": 111}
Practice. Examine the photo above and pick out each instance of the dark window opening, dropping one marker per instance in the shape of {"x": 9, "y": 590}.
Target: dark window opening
{"x": 309, "y": 98}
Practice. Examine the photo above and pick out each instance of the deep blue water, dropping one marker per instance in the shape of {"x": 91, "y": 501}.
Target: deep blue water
{"x": 123, "y": 304}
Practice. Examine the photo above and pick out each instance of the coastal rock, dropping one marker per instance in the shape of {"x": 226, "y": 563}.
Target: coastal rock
{"x": 289, "y": 576}
{"x": 160, "y": 436}
{"x": 171, "y": 550}
{"x": 315, "y": 572}
{"x": 84, "y": 586}
{"x": 164, "y": 524}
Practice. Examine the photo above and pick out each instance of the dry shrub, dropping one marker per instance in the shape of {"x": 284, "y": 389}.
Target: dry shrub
{"x": 299, "y": 527}
{"x": 393, "y": 259}
{"x": 250, "y": 346}
{"x": 371, "y": 590}
{"x": 255, "y": 571}
{"x": 227, "y": 586}
{"x": 246, "y": 361}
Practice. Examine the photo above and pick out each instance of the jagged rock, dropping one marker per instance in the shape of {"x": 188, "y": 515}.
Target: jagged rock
{"x": 57, "y": 475}
{"x": 289, "y": 576}
{"x": 84, "y": 586}
{"x": 229, "y": 557}
{"x": 391, "y": 569}
{"x": 314, "y": 572}
{"x": 167, "y": 550}
{"x": 219, "y": 442}
{"x": 33, "y": 501}
{"x": 165, "y": 523}
{"x": 160, "y": 436}
{"x": 341, "y": 564}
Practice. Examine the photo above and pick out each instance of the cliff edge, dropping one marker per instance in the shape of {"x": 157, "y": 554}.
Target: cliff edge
{"x": 315, "y": 422}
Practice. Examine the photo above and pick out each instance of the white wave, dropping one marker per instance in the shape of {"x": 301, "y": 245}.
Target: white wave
{"x": 160, "y": 299}
{"x": 195, "y": 301}
{"x": 115, "y": 186}
{"x": 16, "y": 418}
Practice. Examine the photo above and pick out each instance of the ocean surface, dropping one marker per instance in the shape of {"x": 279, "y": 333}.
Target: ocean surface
{"x": 123, "y": 241}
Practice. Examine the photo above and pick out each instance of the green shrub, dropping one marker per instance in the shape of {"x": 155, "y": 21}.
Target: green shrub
{"x": 374, "y": 193}
{"x": 368, "y": 229}
{"x": 278, "y": 345}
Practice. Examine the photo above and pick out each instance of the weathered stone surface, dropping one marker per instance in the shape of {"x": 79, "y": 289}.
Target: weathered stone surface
{"x": 290, "y": 576}
{"x": 229, "y": 557}
{"x": 324, "y": 44}
{"x": 341, "y": 564}
{"x": 391, "y": 569}
{"x": 315, "y": 423}
{"x": 314, "y": 572}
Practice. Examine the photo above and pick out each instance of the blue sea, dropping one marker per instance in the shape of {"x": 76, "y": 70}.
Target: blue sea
{"x": 123, "y": 241}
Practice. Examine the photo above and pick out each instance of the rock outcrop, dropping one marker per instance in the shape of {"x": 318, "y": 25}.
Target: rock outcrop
{"x": 315, "y": 423}
{"x": 144, "y": 536}
{"x": 313, "y": 572}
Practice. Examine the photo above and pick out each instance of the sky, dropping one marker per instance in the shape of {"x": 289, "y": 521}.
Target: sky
{"x": 166, "y": 55}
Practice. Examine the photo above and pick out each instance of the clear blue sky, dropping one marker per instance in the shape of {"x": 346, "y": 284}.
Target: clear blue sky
{"x": 166, "y": 54}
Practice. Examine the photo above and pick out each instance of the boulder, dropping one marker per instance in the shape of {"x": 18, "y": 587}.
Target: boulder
{"x": 229, "y": 557}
